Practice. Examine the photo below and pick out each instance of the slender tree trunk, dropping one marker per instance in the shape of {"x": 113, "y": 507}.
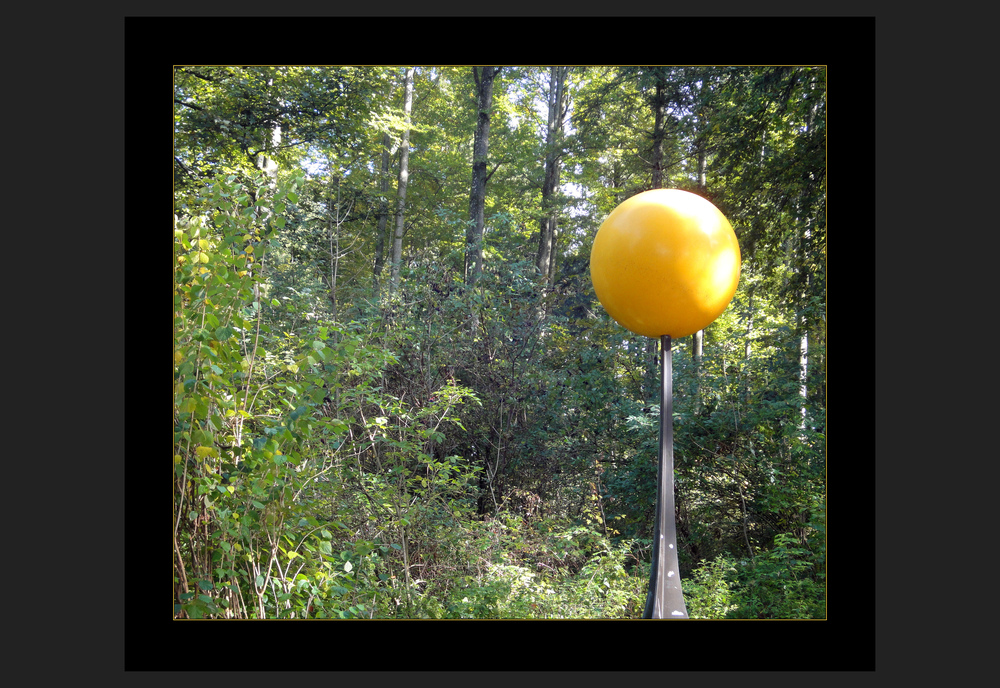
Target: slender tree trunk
{"x": 477, "y": 196}
{"x": 269, "y": 166}
{"x": 545, "y": 260}
{"x": 803, "y": 374}
{"x": 803, "y": 323}
{"x": 383, "y": 216}
{"x": 698, "y": 338}
{"x": 806, "y": 278}
{"x": 747, "y": 351}
{"x": 404, "y": 159}
{"x": 335, "y": 218}
{"x": 264, "y": 162}
{"x": 333, "y": 242}
{"x": 697, "y": 349}
{"x": 659, "y": 134}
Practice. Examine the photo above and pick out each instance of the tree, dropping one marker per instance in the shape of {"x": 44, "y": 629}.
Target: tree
{"x": 484, "y": 77}
{"x": 383, "y": 216}
{"x": 778, "y": 191}
{"x": 404, "y": 157}
{"x": 225, "y": 117}
{"x": 557, "y": 105}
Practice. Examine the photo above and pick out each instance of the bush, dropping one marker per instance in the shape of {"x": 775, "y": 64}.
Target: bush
{"x": 783, "y": 583}
{"x": 709, "y": 592}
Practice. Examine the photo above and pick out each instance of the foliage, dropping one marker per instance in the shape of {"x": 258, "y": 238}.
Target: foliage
{"x": 710, "y": 592}
{"x": 488, "y": 451}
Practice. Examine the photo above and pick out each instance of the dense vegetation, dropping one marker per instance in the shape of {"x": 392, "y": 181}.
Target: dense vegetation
{"x": 395, "y": 393}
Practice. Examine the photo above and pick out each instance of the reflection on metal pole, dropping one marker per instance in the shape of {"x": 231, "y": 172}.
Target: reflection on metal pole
{"x": 665, "y": 600}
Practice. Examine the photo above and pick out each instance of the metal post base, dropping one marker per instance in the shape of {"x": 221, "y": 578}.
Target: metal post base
{"x": 665, "y": 600}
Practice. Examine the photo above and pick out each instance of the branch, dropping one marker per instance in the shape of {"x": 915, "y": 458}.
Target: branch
{"x": 495, "y": 168}
{"x": 190, "y": 105}
{"x": 185, "y": 168}
{"x": 203, "y": 77}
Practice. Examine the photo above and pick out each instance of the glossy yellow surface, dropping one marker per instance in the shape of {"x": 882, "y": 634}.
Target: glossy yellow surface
{"x": 665, "y": 261}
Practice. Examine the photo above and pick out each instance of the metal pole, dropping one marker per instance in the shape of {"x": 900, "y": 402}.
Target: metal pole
{"x": 665, "y": 600}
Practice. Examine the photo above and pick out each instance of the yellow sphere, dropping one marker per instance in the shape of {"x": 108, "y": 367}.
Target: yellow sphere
{"x": 665, "y": 262}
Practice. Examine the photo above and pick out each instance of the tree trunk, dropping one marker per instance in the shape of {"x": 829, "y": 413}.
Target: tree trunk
{"x": 747, "y": 352}
{"x": 803, "y": 374}
{"x": 651, "y": 371}
{"x": 545, "y": 261}
{"x": 404, "y": 160}
{"x": 697, "y": 349}
{"x": 803, "y": 322}
{"x": 264, "y": 162}
{"x": 659, "y": 111}
{"x": 806, "y": 279}
{"x": 333, "y": 222}
{"x": 335, "y": 218}
{"x": 269, "y": 166}
{"x": 477, "y": 196}
{"x": 383, "y": 216}
{"x": 698, "y": 338}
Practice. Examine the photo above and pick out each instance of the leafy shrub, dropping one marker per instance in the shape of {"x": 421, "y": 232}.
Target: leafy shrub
{"x": 782, "y": 583}
{"x": 709, "y": 592}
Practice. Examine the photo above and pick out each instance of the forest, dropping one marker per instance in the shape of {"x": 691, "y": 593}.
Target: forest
{"x": 395, "y": 393}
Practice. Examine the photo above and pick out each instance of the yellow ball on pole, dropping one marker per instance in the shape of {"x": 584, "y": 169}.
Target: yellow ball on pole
{"x": 665, "y": 262}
